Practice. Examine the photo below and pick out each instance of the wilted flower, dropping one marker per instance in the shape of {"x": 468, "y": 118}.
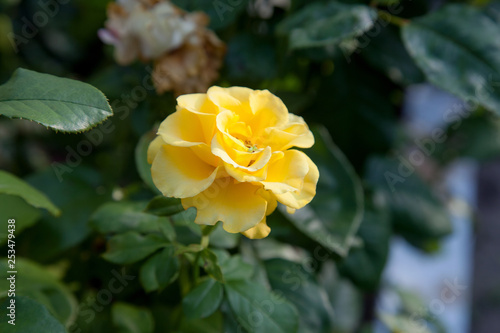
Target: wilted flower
{"x": 178, "y": 42}
{"x": 227, "y": 153}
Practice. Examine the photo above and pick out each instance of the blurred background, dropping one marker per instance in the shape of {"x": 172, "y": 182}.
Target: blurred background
{"x": 425, "y": 257}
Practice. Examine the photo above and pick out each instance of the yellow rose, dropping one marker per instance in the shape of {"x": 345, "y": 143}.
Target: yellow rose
{"x": 227, "y": 153}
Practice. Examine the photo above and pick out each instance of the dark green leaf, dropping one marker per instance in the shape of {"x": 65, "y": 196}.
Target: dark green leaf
{"x": 130, "y": 247}
{"x": 375, "y": 232}
{"x": 203, "y": 300}
{"x": 160, "y": 270}
{"x": 415, "y": 210}
{"x": 131, "y": 319}
{"x": 233, "y": 267}
{"x": 163, "y": 206}
{"x": 212, "y": 324}
{"x": 454, "y": 57}
{"x": 78, "y": 195}
{"x": 31, "y": 316}
{"x": 62, "y": 104}
{"x": 477, "y": 137}
{"x": 257, "y": 310}
{"x": 10, "y": 184}
{"x": 345, "y": 298}
{"x": 123, "y": 216}
{"x": 334, "y": 215}
{"x": 320, "y": 24}
{"x": 13, "y": 207}
{"x": 300, "y": 288}
{"x": 221, "y": 12}
{"x": 386, "y": 52}
{"x": 38, "y": 283}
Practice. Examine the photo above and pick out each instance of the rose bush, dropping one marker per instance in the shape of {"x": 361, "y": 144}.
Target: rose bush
{"x": 227, "y": 153}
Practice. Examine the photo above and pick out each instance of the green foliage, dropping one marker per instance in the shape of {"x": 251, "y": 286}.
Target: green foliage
{"x": 160, "y": 270}
{"x": 12, "y": 185}
{"x": 131, "y": 246}
{"x": 463, "y": 61}
{"x": 98, "y": 247}
{"x": 13, "y": 206}
{"x": 333, "y": 217}
{"x": 40, "y": 285}
{"x": 258, "y": 310}
{"x": 32, "y": 316}
{"x": 326, "y": 24}
{"x": 301, "y": 288}
{"x": 68, "y": 106}
{"x": 415, "y": 210}
{"x": 375, "y": 233}
{"x": 203, "y": 300}
{"x": 131, "y": 319}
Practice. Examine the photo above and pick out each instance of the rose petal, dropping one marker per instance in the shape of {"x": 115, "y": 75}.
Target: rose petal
{"x": 154, "y": 147}
{"x": 179, "y": 172}
{"x": 184, "y": 128}
{"x": 295, "y": 133}
{"x": 287, "y": 174}
{"x": 307, "y": 192}
{"x": 260, "y": 231}
{"x": 269, "y": 111}
{"x": 237, "y": 205}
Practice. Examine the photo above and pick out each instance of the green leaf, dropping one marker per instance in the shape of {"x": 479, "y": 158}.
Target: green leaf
{"x": 62, "y": 104}
{"x": 163, "y": 206}
{"x": 300, "y": 288}
{"x": 415, "y": 210}
{"x": 375, "y": 232}
{"x": 387, "y": 53}
{"x": 456, "y": 58}
{"x": 130, "y": 247}
{"x": 210, "y": 264}
{"x": 203, "y": 300}
{"x": 221, "y": 12}
{"x": 160, "y": 270}
{"x": 31, "y": 316}
{"x": 212, "y": 324}
{"x": 141, "y": 160}
{"x": 476, "y": 137}
{"x": 13, "y": 207}
{"x": 131, "y": 319}
{"x": 39, "y": 284}
{"x": 234, "y": 268}
{"x": 347, "y": 300}
{"x": 333, "y": 216}
{"x": 319, "y": 24}
{"x": 222, "y": 239}
{"x": 78, "y": 196}
{"x": 258, "y": 310}
{"x": 123, "y": 216}
{"x": 10, "y": 184}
